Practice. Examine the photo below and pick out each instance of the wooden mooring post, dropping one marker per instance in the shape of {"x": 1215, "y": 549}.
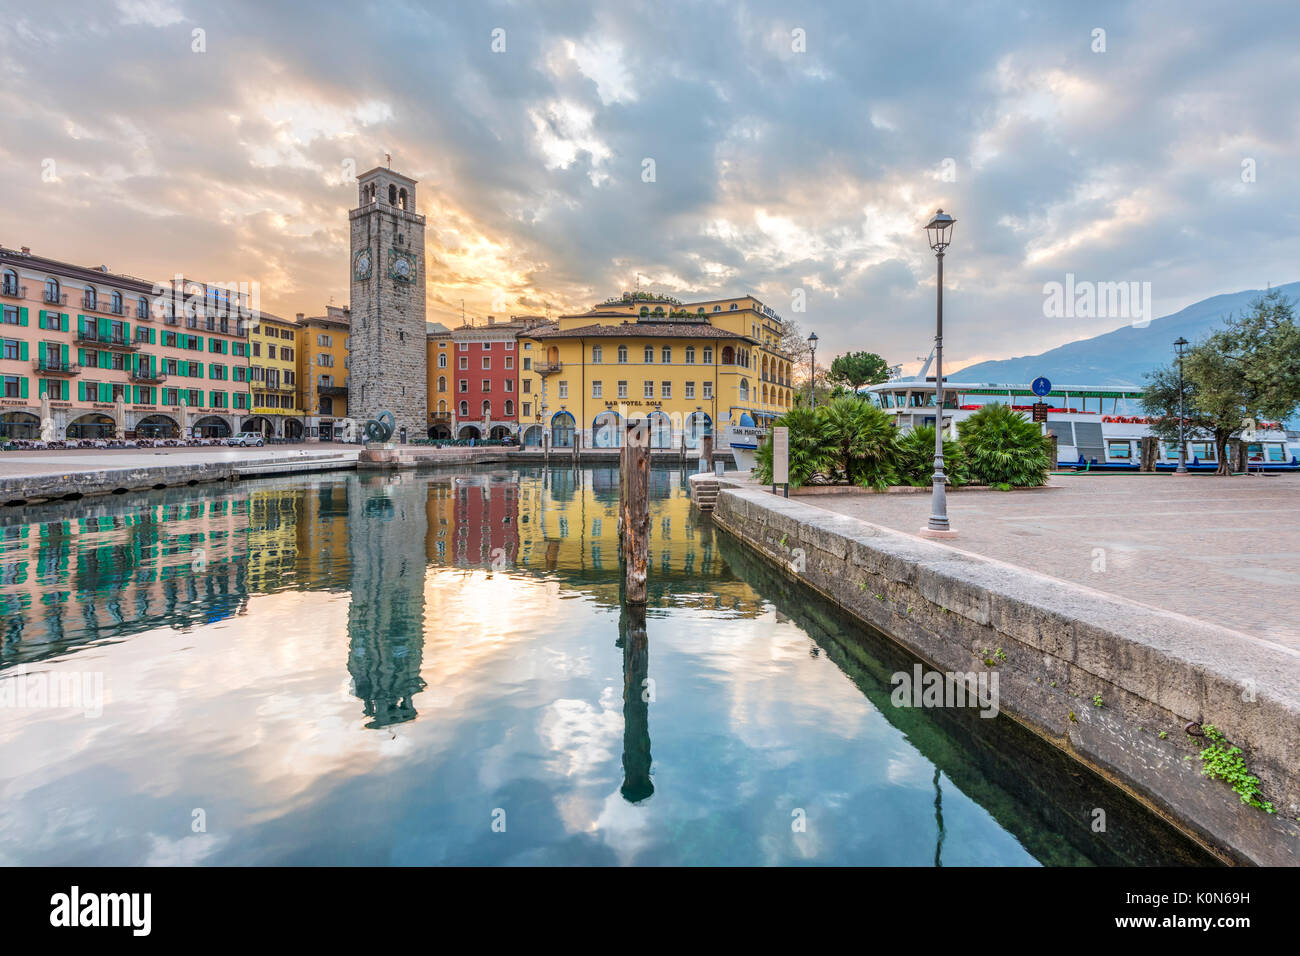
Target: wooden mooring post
{"x": 706, "y": 453}
{"x": 634, "y": 511}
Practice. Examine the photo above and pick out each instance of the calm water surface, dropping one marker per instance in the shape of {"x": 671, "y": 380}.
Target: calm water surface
{"x": 435, "y": 669}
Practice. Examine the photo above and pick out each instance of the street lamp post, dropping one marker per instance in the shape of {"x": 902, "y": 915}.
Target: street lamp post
{"x": 1182, "y": 444}
{"x": 939, "y": 232}
{"x": 812, "y": 378}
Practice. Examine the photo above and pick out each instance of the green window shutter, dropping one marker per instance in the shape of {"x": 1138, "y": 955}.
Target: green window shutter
{"x": 103, "y": 327}
{"x": 22, "y": 351}
{"x": 105, "y": 360}
{"x": 81, "y": 324}
{"x": 63, "y": 354}
{"x": 81, "y": 391}
{"x": 41, "y": 321}
{"x": 22, "y": 320}
{"x": 40, "y": 392}
{"x": 126, "y": 331}
{"x": 153, "y": 336}
{"x": 81, "y": 357}
{"x": 22, "y": 388}
{"x": 63, "y": 319}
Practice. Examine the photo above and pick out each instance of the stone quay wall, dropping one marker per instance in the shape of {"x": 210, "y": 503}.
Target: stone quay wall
{"x": 1055, "y": 646}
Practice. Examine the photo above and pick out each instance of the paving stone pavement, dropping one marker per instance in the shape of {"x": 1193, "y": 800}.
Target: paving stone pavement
{"x": 1224, "y": 550}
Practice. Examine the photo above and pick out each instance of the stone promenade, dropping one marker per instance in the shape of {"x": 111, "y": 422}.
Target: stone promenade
{"x": 1224, "y": 550}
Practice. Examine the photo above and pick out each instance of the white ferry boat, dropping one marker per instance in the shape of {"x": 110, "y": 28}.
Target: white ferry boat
{"x": 1095, "y": 427}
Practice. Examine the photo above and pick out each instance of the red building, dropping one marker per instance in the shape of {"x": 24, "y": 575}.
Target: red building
{"x": 484, "y": 369}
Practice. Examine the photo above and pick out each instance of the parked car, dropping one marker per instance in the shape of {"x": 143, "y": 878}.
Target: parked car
{"x": 245, "y": 439}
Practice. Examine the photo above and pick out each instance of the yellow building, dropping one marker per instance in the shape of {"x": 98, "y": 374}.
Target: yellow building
{"x": 323, "y": 345}
{"x": 277, "y": 408}
{"x": 687, "y": 368}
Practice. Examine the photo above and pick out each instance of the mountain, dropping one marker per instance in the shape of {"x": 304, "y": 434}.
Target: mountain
{"x": 1122, "y": 356}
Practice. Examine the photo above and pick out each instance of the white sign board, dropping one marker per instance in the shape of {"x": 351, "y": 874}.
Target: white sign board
{"x": 780, "y": 455}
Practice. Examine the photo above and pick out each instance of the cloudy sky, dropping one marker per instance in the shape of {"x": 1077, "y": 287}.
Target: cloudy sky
{"x": 795, "y": 146}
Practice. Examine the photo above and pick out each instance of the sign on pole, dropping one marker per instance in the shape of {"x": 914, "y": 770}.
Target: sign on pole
{"x": 1040, "y": 411}
{"x": 1041, "y": 386}
{"x": 780, "y": 456}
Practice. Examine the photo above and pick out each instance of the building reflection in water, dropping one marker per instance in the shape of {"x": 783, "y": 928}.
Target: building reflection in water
{"x": 72, "y": 575}
{"x": 386, "y": 538}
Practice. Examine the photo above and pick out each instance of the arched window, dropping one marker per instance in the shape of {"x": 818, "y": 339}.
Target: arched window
{"x": 464, "y": 409}
{"x": 442, "y": 360}
{"x": 442, "y": 383}
{"x": 117, "y": 302}
{"x": 597, "y": 354}
{"x": 510, "y": 408}
{"x": 52, "y": 291}
{"x": 442, "y": 407}
{"x": 392, "y": 195}
{"x": 88, "y": 297}
{"x": 622, "y": 354}
{"x": 142, "y": 308}
{"x": 728, "y": 355}
{"x": 401, "y": 198}
{"x": 10, "y": 282}
{"x": 733, "y": 307}
{"x": 487, "y": 408}
{"x": 744, "y": 389}
{"x": 649, "y": 356}
{"x": 717, "y": 308}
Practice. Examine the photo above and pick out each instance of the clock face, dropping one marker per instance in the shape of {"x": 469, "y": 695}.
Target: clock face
{"x": 362, "y": 264}
{"x": 402, "y": 266}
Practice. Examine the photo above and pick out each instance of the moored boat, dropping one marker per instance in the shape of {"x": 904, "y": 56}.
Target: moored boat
{"x": 1096, "y": 427}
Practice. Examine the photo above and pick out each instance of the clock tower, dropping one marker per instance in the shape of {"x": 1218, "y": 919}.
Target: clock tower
{"x": 388, "y": 365}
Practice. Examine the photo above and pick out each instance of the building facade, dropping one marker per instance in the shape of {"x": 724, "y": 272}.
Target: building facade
{"x": 324, "y": 344}
{"x": 387, "y": 300}
{"x": 88, "y": 353}
{"x": 276, "y": 403}
{"x": 483, "y": 377}
{"x": 683, "y": 368}
{"x": 439, "y": 398}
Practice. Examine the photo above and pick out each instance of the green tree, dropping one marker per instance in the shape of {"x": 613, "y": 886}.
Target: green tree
{"x": 1246, "y": 372}
{"x": 807, "y": 449}
{"x": 859, "y": 437}
{"x": 1003, "y": 448}
{"x": 914, "y": 458}
{"x": 856, "y": 369}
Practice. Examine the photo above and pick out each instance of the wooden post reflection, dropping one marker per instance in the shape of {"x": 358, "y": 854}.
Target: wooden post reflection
{"x": 636, "y": 704}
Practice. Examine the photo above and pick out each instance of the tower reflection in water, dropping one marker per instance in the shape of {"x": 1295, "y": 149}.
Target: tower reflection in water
{"x": 386, "y": 614}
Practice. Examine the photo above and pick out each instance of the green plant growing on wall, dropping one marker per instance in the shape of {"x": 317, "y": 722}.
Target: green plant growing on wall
{"x": 1004, "y": 449}
{"x": 914, "y": 459}
{"x": 1096, "y": 700}
{"x": 1222, "y": 762}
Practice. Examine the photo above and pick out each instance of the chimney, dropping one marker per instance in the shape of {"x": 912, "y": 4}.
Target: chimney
{"x": 27, "y": 250}
{"x": 299, "y": 316}
{"x": 492, "y": 320}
